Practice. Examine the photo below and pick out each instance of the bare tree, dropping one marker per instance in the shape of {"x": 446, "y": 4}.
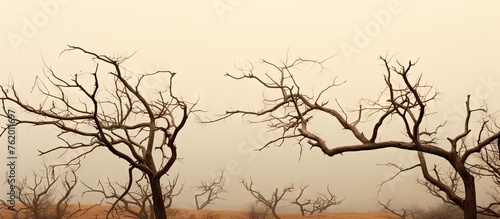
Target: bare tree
{"x": 40, "y": 197}
{"x": 137, "y": 203}
{"x": 209, "y": 191}
{"x": 318, "y": 205}
{"x": 110, "y": 110}
{"x": 403, "y": 214}
{"x": 452, "y": 179}
{"x": 405, "y": 103}
{"x": 271, "y": 203}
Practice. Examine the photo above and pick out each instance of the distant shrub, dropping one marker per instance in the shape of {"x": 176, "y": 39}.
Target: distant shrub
{"x": 442, "y": 211}
{"x": 257, "y": 211}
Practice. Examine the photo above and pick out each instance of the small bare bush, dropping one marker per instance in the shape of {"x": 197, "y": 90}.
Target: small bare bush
{"x": 319, "y": 205}
{"x": 257, "y": 211}
{"x": 270, "y": 203}
{"x": 402, "y": 214}
{"x": 209, "y": 191}
{"x": 44, "y": 195}
{"x": 443, "y": 211}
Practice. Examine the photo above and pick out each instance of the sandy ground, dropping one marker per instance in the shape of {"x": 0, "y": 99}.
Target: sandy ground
{"x": 99, "y": 212}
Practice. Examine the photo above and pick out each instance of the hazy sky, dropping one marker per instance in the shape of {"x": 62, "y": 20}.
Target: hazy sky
{"x": 456, "y": 42}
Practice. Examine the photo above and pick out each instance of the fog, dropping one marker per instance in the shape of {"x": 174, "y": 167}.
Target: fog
{"x": 456, "y": 43}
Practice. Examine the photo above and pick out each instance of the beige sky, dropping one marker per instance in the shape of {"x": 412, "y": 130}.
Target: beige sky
{"x": 456, "y": 41}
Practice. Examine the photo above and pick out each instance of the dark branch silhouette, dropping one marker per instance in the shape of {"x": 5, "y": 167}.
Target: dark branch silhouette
{"x": 322, "y": 202}
{"x": 209, "y": 191}
{"x": 405, "y": 102}
{"x": 271, "y": 203}
{"x": 137, "y": 203}
{"x": 42, "y": 197}
{"x": 490, "y": 167}
{"x": 108, "y": 109}
{"x": 403, "y": 214}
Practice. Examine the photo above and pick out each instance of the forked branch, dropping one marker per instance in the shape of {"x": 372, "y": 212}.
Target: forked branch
{"x": 209, "y": 191}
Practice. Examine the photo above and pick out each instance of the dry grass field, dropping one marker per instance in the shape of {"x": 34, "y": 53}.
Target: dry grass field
{"x": 99, "y": 212}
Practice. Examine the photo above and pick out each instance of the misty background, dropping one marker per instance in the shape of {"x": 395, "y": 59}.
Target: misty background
{"x": 456, "y": 43}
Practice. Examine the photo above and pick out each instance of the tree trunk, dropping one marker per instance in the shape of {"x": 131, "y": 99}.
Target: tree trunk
{"x": 273, "y": 211}
{"x": 470, "y": 209}
{"x": 158, "y": 202}
{"x": 151, "y": 212}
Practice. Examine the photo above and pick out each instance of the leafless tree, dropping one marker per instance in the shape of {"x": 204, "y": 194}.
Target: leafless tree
{"x": 137, "y": 203}
{"x": 452, "y": 179}
{"x": 109, "y": 109}
{"x": 318, "y": 205}
{"x": 403, "y": 214}
{"x": 209, "y": 191}
{"x": 271, "y": 203}
{"x": 40, "y": 197}
{"x": 405, "y": 102}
